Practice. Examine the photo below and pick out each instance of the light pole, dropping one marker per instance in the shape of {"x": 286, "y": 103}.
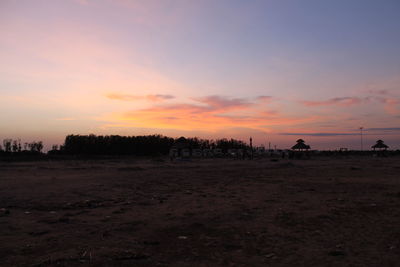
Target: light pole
{"x": 361, "y": 138}
{"x": 251, "y": 147}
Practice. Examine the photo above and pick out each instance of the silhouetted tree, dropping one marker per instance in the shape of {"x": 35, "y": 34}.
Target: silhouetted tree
{"x": 36, "y": 147}
{"x": 16, "y": 146}
{"x": 226, "y": 144}
{"x": 7, "y": 145}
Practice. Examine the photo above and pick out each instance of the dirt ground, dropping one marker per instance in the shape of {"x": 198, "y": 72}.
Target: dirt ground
{"x": 209, "y": 212}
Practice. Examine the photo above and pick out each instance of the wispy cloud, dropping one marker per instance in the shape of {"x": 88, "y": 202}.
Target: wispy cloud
{"x": 129, "y": 97}
{"x": 209, "y": 113}
{"x": 320, "y": 134}
{"x": 264, "y": 98}
{"x": 392, "y": 129}
{"x": 338, "y": 101}
{"x": 159, "y": 97}
{"x": 379, "y": 92}
{"x": 391, "y": 104}
{"x": 216, "y": 102}
{"x": 356, "y": 132}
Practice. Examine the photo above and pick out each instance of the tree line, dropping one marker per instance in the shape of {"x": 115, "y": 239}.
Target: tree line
{"x": 138, "y": 145}
{"x": 15, "y": 146}
{"x": 145, "y": 145}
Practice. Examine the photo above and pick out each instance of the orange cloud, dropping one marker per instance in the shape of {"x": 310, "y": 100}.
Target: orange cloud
{"x": 211, "y": 114}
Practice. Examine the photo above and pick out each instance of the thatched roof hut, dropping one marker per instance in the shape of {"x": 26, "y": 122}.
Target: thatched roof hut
{"x": 300, "y": 145}
{"x": 380, "y": 145}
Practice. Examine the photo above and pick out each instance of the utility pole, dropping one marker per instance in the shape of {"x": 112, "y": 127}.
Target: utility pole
{"x": 251, "y": 147}
{"x": 361, "y": 137}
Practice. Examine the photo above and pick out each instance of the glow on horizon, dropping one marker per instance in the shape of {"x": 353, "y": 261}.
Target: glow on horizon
{"x": 273, "y": 70}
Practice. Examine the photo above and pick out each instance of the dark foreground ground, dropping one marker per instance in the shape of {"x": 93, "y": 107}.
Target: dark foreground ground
{"x": 130, "y": 212}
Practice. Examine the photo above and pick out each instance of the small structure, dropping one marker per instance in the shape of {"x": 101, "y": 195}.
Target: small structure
{"x": 300, "y": 150}
{"x": 173, "y": 153}
{"x": 185, "y": 153}
{"x": 380, "y": 145}
{"x": 232, "y": 153}
{"x": 241, "y": 153}
{"x": 207, "y": 153}
{"x": 300, "y": 146}
{"x": 260, "y": 150}
{"x": 197, "y": 153}
{"x": 217, "y": 152}
{"x": 181, "y": 148}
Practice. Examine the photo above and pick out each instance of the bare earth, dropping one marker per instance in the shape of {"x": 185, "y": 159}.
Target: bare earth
{"x": 210, "y": 212}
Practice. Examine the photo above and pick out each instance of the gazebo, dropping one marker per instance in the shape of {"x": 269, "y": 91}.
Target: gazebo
{"x": 380, "y": 145}
{"x": 300, "y": 146}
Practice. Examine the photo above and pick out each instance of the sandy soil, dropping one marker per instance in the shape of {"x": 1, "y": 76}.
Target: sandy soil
{"x": 131, "y": 212}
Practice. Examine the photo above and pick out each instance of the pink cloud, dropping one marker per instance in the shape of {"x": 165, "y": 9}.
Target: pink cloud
{"x": 391, "y": 104}
{"x": 215, "y": 102}
{"x": 158, "y": 97}
{"x": 210, "y": 114}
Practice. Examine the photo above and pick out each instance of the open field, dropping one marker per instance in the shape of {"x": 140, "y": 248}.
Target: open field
{"x": 143, "y": 212}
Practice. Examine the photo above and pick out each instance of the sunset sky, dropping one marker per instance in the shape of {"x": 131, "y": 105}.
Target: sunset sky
{"x": 276, "y": 70}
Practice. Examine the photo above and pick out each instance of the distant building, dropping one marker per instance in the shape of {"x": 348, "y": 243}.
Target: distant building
{"x": 300, "y": 146}
{"x": 379, "y": 145}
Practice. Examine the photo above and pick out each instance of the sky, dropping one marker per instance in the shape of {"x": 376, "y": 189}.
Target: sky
{"x": 275, "y": 70}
